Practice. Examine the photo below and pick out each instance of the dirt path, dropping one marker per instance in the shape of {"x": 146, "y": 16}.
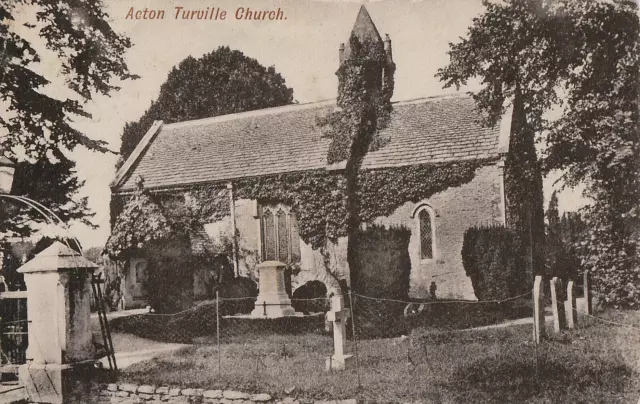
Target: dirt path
{"x": 130, "y": 349}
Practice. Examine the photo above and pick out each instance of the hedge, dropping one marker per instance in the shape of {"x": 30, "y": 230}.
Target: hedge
{"x": 495, "y": 258}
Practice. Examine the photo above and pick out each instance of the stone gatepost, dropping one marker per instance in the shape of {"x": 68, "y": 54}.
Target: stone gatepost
{"x": 272, "y": 300}
{"x": 61, "y": 351}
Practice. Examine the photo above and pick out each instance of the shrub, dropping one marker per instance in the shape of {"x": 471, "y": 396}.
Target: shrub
{"x": 242, "y": 293}
{"x": 380, "y": 262}
{"x": 380, "y": 268}
{"x": 495, "y": 260}
{"x": 311, "y": 290}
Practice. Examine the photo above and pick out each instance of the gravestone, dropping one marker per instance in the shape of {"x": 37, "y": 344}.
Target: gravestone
{"x": 557, "y": 305}
{"x": 584, "y": 304}
{"x": 338, "y": 316}
{"x": 61, "y": 353}
{"x": 272, "y": 300}
{"x": 570, "y": 305}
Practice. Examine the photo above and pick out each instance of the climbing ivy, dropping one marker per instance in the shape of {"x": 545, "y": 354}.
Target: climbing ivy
{"x": 316, "y": 197}
{"x": 365, "y": 87}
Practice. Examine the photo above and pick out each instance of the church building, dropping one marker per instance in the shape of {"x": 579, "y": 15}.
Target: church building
{"x": 173, "y": 159}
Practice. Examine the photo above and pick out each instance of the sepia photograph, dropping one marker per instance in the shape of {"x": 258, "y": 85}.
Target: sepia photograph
{"x": 320, "y": 201}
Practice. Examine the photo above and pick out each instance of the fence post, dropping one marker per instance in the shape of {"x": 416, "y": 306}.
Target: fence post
{"x": 570, "y": 305}
{"x": 355, "y": 339}
{"x": 538, "y": 313}
{"x": 588, "y": 298}
{"x": 218, "y": 331}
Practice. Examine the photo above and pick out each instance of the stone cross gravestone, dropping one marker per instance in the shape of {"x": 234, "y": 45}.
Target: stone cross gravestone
{"x": 338, "y": 316}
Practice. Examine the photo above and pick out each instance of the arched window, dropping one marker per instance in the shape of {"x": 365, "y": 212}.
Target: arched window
{"x": 426, "y": 235}
{"x": 424, "y": 216}
{"x": 279, "y": 235}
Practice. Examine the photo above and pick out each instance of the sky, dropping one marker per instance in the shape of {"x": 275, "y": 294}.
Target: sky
{"x": 303, "y": 48}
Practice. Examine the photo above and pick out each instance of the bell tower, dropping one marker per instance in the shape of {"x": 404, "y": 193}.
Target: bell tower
{"x": 365, "y": 41}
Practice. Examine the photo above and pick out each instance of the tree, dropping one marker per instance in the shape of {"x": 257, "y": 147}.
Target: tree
{"x": 224, "y": 81}
{"x": 365, "y": 88}
{"x": 38, "y": 128}
{"x": 563, "y": 235}
{"x": 583, "y": 60}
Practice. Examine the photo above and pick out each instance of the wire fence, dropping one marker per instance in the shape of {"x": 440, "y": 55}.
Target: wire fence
{"x": 234, "y": 341}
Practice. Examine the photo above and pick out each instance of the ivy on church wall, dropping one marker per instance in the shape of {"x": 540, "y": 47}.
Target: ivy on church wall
{"x": 316, "y": 197}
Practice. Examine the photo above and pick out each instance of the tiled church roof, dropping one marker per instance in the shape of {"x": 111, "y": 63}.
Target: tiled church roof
{"x": 285, "y": 139}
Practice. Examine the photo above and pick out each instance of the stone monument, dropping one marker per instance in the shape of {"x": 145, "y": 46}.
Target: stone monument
{"x": 61, "y": 352}
{"x": 272, "y": 300}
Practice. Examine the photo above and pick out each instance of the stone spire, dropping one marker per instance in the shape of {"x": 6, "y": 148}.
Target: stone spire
{"x": 364, "y": 29}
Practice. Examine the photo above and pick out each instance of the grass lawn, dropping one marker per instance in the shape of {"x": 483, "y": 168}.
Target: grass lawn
{"x": 598, "y": 363}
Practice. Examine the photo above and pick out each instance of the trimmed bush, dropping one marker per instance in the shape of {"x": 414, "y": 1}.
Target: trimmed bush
{"x": 311, "y": 290}
{"x": 380, "y": 262}
{"x": 380, "y": 268}
{"x": 242, "y": 293}
{"x": 494, "y": 258}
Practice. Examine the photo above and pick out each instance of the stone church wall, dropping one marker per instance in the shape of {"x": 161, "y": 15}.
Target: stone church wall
{"x": 456, "y": 209}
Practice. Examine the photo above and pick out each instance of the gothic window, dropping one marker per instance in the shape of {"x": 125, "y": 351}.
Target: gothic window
{"x": 279, "y": 233}
{"x": 425, "y": 224}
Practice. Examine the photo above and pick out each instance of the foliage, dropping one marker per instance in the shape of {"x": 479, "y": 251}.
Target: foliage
{"x": 379, "y": 192}
{"x": 141, "y": 221}
{"x": 524, "y": 200}
{"x": 311, "y": 298}
{"x": 580, "y": 59}
{"x": 52, "y": 184}
{"x": 221, "y": 82}
{"x": 381, "y": 266}
{"x": 316, "y": 197}
{"x": 169, "y": 282}
{"x": 39, "y": 127}
{"x": 365, "y": 87}
{"x": 494, "y": 258}
{"x": 562, "y": 258}
{"x": 241, "y": 293}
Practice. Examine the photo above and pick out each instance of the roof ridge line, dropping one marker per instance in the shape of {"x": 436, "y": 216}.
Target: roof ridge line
{"x": 249, "y": 114}
{"x": 295, "y": 107}
{"x": 445, "y": 96}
